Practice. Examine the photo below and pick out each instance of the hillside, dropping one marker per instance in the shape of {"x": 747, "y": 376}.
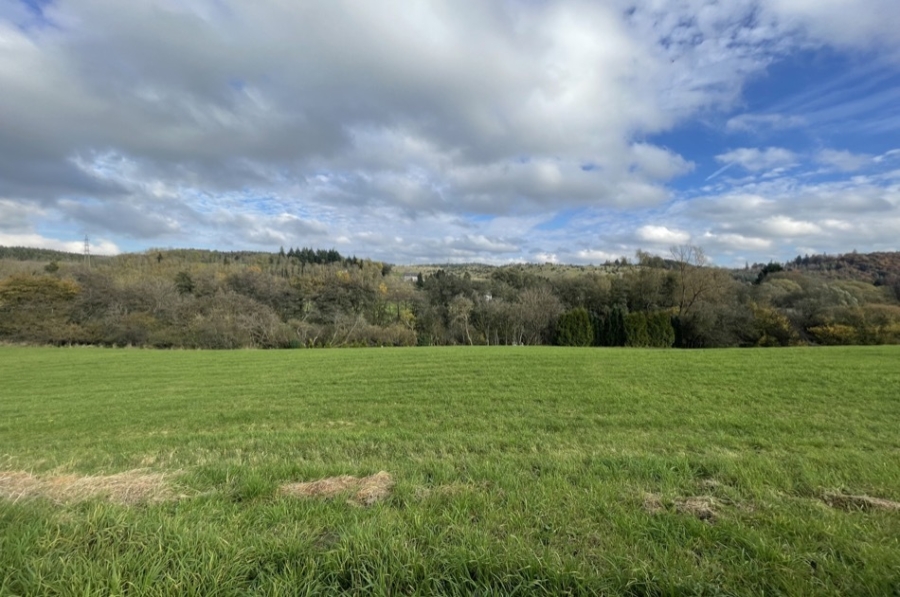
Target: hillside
{"x": 48, "y": 255}
{"x": 880, "y": 268}
{"x": 319, "y": 298}
{"x": 875, "y": 268}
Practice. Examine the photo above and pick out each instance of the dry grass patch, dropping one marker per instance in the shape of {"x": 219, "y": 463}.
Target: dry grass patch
{"x": 859, "y": 502}
{"x": 366, "y": 490}
{"x": 702, "y": 507}
{"x": 653, "y": 504}
{"x": 130, "y": 487}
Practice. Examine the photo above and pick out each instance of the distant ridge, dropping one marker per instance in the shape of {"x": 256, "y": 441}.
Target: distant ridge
{"x": 33, "y": 254}
{"x": 881, "y": 268}
{"x": 878, "y": 268}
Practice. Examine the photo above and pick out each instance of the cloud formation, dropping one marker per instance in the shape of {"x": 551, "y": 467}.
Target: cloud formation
{"x": 754, "y": 159}
{"x": 427, "y": 132}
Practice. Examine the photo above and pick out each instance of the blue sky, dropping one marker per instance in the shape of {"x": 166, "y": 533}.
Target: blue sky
{"x": 567, "y": 131}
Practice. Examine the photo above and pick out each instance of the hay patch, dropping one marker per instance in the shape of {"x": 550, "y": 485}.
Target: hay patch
{"x": 702, "y": 507}
{"x": 859, "y": 502}
{"x": 653, "y": 504}
{"x": 365, "y": 491}
{"x": 130, "y": 487}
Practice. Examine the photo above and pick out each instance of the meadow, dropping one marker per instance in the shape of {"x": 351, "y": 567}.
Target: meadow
{"x": 491, "y": 470}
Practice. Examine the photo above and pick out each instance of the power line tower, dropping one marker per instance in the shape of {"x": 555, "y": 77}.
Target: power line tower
{"x": 87, "y": 251}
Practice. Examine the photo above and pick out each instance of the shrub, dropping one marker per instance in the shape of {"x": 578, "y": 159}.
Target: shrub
{"x": 36, "y": 308}
{"x": 574, "y": 328}
{"x": 773, "y": 327}
{"x": 636, "y": 333}
{"x": 660, "y": 331}
{"x": 611, "y": 331}
{"x": 833, "y": 334}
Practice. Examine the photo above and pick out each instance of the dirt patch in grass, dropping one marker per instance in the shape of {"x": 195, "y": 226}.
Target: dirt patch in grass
{"x": 365, "y": 491}
{"x": 859, "y": 502}
{"x": 130, "y": 487}
{"x": 701, "y": 507}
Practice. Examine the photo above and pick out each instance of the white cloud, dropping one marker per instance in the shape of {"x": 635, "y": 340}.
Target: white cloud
{"x": 662, "y": 235}
{"x": 476, "y": 244}
{"x": 836, "y": 225}
{"x": 223, "y": 95}
{"x": 15, "y": 215}
{"x": 892, "y": 154}
{"x": 731, "y": 241}
{"x": 659, "y": 163}
{"x": 754, "y": 123}
{"x": 787, "y": 226}
{"x": 546, "y": 258}
{"x": 595, "y": 256}
{"x": 462, "y": 128}
{"x": 872, "y": 24}
{"x": 784, "y": 216}
{"x": 844, "y": 161}
{"x": 754, "y": 159}
{"x": 97, "y": 246}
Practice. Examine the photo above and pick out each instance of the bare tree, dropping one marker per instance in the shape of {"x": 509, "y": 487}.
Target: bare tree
{"x": 537, "y": 309}
{"x": 694, "y": 281}
{"x": 460, "y": 312}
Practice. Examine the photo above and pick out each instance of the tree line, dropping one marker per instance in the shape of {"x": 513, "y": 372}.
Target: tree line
{"x": 315, "y": 298}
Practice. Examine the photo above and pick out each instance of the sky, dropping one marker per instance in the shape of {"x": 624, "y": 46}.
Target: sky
{"x": 439, "y": 131}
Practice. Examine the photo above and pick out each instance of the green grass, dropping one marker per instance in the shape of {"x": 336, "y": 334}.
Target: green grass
{"x": 518, "y": 471}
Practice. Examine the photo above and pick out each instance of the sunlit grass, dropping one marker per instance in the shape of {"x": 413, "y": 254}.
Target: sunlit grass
{"x": 517, "y": 470}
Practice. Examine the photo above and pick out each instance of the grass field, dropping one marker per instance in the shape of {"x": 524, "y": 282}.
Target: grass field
{"x": 511, "y": 471}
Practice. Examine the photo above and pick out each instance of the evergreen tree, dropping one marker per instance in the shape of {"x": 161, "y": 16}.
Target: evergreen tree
{"x": 574, "y": 328}
{"x": 614, "y": 327}
{"x": 659, "y": 330}
{"x": 636, "y": 329}
{"x": 184, "y": 284}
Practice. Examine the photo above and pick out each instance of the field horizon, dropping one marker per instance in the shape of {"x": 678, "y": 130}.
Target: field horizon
{"x": 450, "y": 470}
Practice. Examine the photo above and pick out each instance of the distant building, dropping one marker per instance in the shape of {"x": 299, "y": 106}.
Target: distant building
{"x": 411, "y": 278}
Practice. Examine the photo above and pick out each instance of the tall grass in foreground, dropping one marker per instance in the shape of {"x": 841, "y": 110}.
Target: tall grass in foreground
{"x": 516, "y": 470}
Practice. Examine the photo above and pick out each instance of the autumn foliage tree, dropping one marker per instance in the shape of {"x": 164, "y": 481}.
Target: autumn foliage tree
{"x": 36, "y": 308}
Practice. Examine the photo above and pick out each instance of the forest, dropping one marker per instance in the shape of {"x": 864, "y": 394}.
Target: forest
{"x": 310, "y": 298}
